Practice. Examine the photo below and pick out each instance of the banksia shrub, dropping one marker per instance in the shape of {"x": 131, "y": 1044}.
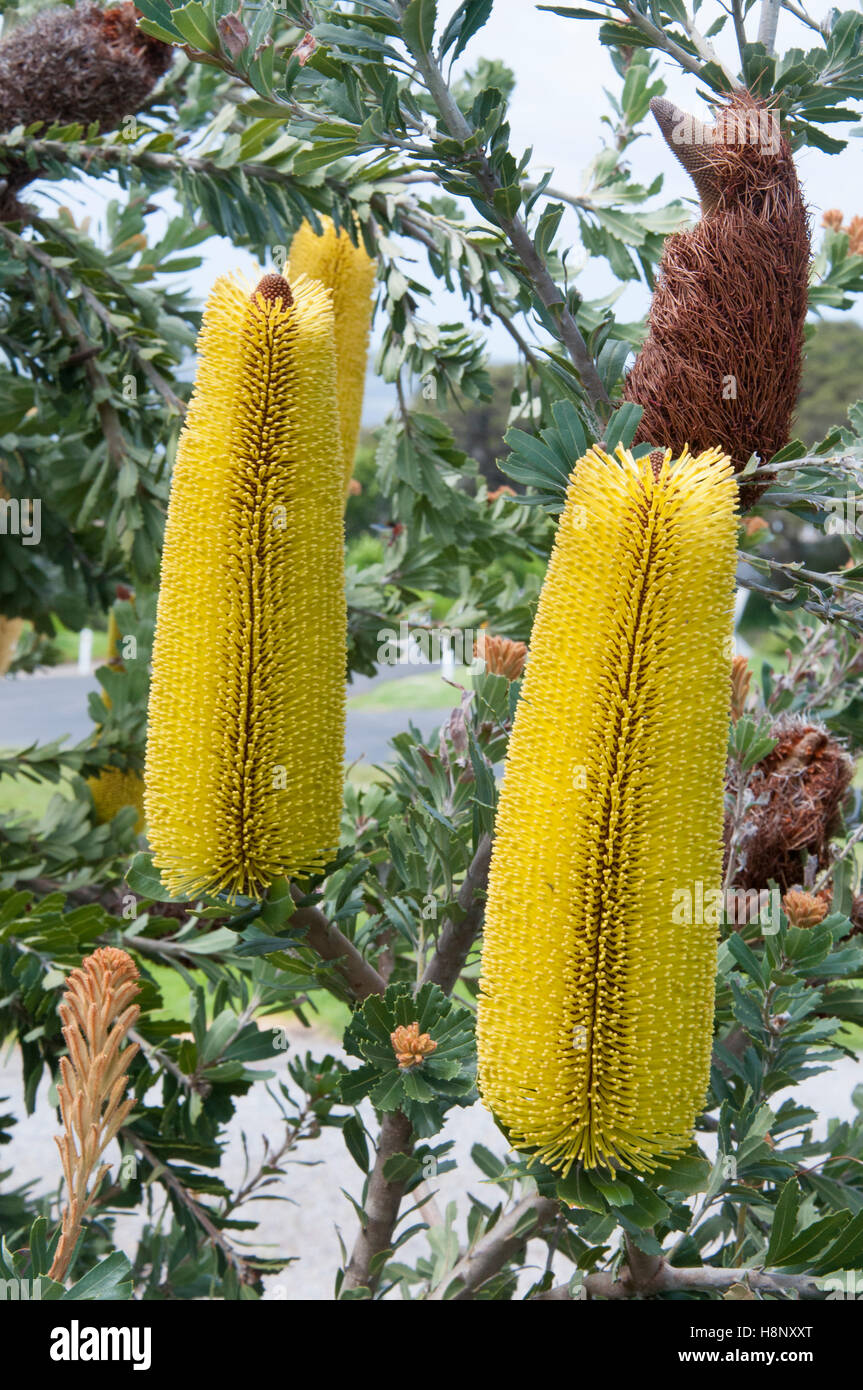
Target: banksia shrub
{"x": 722, "y": 361}
{"x": 245, "y": 740}
{"x": 349, "y": 272}
{"x": 797, "y": 792}
{"x": 97, "y": 1012}
{"x": 596, "y": 1007}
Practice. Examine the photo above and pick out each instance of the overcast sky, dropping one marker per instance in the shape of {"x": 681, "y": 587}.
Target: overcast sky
{"x": 560, "y": 70}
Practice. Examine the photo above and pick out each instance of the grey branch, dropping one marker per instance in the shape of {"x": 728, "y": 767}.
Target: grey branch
{"x": 383, "y": 1199}
{"x": 768, "y": 23}
{"x": 493, "y": 1251}
{"x": 662, "y": 41}
{"x": 670, "y": 1279}
{"x": 516, "y": 233}
{"x": 457, "y": 936}
{"x": 330, "y": 944}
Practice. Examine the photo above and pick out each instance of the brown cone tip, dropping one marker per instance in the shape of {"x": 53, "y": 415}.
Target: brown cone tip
{"x": 274, "y": 289}
{"x": 685, "y": 137}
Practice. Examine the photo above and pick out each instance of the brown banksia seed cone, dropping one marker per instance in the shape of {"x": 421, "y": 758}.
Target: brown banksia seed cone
{"x": 803, "y": 909}
{"x": 501, "y": 655}
{"x": 410, "y": 1045}
{"x": 797, "y": 790}
{"x": 722, "y": 360}
{"x": 97, "y": 1012}
{"x": 75, "y": 65}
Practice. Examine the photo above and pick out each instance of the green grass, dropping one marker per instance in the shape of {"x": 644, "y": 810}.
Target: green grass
{"x": 322, "y": 1011}
{"x": 20, "y": 797}
{"x": 428, "y": 690}
{"x": 67, "y": 642}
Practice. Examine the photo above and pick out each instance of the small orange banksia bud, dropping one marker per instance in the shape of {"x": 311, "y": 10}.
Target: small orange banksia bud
{"x": 349, "y": 272}
{"x": 804, "y": 909}
{"x": 595, "y": 1013}
{"x": 245, "y": 743}
{"x": 410, "y": 1045}
{"x": 97, "y": 1012}
{"x": 501, "y": 655}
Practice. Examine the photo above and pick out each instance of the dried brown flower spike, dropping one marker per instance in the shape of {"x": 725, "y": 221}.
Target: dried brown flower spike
{"x": 722, "y": 360}
{"x": 75, "y": 65}
{"x": 797, "y": 791}
{"x": 97, "y": 1013}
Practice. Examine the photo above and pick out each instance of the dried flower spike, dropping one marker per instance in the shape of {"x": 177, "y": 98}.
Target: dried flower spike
{"x": 595, "y": 1010}
{"x": 410, "y": 1045}
{"x": 501, "y": 655}
{"x": 349, "y": 272}
{"x": 797, "y": 793}
{"x": 97, "y": 1012}
{"x": 722, "y": 361}
{"x": 245, "y": 741}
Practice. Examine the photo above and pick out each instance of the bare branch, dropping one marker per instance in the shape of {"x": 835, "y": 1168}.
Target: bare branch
{"x": 670, "y": 1279}
{"x": 457, "y": 937}
{"x": 768, "y": 23}
{"x": 330, "y": 944}
{"x": 382, "y": 1202}
{"x": 502, "y": 1243}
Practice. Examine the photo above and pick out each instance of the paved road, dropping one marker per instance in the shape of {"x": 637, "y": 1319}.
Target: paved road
{"x": 45, "y": 707}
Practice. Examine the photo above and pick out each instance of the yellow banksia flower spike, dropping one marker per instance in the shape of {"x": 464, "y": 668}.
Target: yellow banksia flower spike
{"x": 114, "y": 789}
{"x": 596, "y": 1008}
{"x": 347, "y": 270}
{"x": 245, "y": 743}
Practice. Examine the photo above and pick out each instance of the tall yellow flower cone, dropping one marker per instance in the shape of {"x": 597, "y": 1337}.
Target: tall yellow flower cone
{"x": 349, "y": 272}
{"x": 596, "y": 1004}
{"x": 245, "y": 741}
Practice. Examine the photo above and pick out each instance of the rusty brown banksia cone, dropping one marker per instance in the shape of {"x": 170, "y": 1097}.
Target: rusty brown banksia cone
{"x": 74, "y": 65}
{"x": 97, "y": 1012}
{"x": 722, "y": 360}
{"x": 797, "y": 794}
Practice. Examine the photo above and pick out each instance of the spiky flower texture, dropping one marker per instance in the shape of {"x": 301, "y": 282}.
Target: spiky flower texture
{"x": 247, "y": 706}
{"x": 349, "y": 272}
{"x": 595, "y": 1012}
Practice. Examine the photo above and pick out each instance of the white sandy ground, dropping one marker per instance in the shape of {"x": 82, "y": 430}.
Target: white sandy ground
{"x": 306, "y": 1227}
